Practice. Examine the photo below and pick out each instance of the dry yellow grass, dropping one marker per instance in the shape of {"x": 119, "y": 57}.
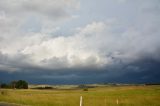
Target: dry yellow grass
{"x": 100, "y": 96}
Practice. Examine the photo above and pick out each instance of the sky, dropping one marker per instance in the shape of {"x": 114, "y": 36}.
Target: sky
{"x": 80, "y": 41}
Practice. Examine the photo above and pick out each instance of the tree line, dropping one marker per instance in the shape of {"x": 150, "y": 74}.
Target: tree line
{"x": 20, "y": 84}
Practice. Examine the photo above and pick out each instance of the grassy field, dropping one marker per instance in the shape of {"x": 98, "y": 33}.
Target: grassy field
{"x": 99, "y": 96}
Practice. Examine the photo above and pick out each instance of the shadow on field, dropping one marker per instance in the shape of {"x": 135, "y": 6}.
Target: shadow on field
{"x": 7, "y": 104}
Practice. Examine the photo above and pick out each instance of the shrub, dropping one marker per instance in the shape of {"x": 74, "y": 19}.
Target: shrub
{"x": 3, "y": 92}
{"x": 85, "y": 89}
{"x": 46, "y": 87}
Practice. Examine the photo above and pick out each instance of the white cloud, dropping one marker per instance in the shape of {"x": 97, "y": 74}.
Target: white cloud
{"x": 54, "y": 8}
{"x": 98, "y": 44}
{"x": 95, "y": 45}
{"x": 34, "y": 15}
{"x": 59, "y": 52}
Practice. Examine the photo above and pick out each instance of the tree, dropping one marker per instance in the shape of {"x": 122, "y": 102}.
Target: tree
{"x": 13, "y": 84}
{"x": 21, "y": 84}
{"x": 3, "y": 85}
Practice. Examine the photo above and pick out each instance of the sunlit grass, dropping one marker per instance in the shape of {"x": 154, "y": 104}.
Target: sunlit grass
{"x": 100, "y": 96}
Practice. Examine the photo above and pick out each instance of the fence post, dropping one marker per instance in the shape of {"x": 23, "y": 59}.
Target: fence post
{"x": 105, "y": 101}
{"x": 81, "y": 101}
{"x": 117, "y": 101}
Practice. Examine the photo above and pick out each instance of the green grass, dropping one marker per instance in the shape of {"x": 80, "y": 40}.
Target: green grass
{"x": 99, "y": 96}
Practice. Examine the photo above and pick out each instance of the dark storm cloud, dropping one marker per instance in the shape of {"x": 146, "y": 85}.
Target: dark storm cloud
{"x": 123, "y": 49}
{"x": 146, "y": 70}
